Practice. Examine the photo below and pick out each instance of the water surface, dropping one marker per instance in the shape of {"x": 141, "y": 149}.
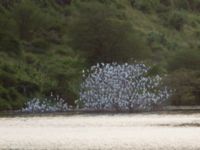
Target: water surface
{"x": 122, "y": 131}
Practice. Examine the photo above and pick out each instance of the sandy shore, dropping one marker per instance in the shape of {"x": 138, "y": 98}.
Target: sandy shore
{"x": 120, "y": 131}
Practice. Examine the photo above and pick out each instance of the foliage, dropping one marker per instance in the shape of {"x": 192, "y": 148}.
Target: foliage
{"x": 150, "y": 5}
{"x": 10, "y": 98}
{"x": 32, "y": 20}
{"x": 185, "y": 59}
{"x": 51, "y": 104}
{"x": 8, "y": 3}
{"x": 102, "y": 35}
{"x": 185, "y": 77}
{"x": 173, "y": 19}
{"x": 176, "y": 20}
{"x": 66, "y": 71}
{"x": 44, "y": 44}
{"x": 9, "y": 44}
{"x": 145, "y": 5}
{"x": 194, "y": 5}
{"x": 187, "y": 87}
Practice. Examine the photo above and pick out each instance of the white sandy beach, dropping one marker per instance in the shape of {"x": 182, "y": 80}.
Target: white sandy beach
{"x": 117, "y": 132}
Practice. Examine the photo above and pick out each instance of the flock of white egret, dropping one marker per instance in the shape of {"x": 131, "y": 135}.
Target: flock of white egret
{"x": 111, "y": 86}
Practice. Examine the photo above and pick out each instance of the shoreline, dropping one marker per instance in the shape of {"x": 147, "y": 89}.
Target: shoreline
{"x": 164, "y": 110}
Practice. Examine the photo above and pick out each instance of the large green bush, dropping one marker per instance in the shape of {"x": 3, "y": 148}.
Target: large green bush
{"x": 173, "y": 19}
{"x": 194, "y": 5}
{"x": 27, "y": 18}
{"x": 99, "y": 32}
{"x": 186, "y": 85}
{"x": 181, "y": 4}
{"x": 9, "y": 44}
{"x": 34, "y": 34}
{"x": 33, "y": 21}
{"x": 185, "y": 59}
{"x": 44, "y": 44}
{"x": 145, "y": 5}
{"x": 10, "y": 98}
{"x": 66, "y": 73}
{"x": 8, "y": 3}
{"x": 184, "y": 77}
{"x": 176, "y": 20}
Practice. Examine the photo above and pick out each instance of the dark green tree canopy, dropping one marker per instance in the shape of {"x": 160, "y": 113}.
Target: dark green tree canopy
{"x": 103, "y": 34}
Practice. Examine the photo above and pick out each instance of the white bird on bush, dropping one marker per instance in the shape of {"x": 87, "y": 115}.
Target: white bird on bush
{"x": 121, "y": 87}
{"x": 45, "y": 105}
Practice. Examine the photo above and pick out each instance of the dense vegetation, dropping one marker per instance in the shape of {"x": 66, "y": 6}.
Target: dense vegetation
{"x": 45, "y": 44}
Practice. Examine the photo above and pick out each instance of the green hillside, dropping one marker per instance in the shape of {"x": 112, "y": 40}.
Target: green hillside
{"x": 45, "y": 44}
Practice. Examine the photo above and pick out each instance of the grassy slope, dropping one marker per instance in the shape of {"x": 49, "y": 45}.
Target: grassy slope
{"x": 145, "y": 23}
{"x": 187, "y": 38}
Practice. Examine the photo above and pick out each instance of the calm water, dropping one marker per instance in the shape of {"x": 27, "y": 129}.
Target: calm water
{"x": 133, "y": 131}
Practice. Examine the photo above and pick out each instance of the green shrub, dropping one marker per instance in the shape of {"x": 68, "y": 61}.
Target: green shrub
{"x": 194, "y": 5}
{"x": 14, "y": 88}
{"x": 156, "y": 37}
{"x": 7, "y": 68}
{"x": 177, "y": 20}
{"x": 9, "y": 44}
{"x": 39, "y": 46}
{"x": 176, "y": 4}
{"x": 32, "y": 21}
{"x": 30, "y": 59}
{"x": 100, "y": 1}
{"x": 155, "y": 70}
{"x": 197, "y": 33}
{"x": 65, "y": 75}
{"x": 185, "y": 59}
{"x": 10, "y": 98}
{"x": 162, "y": 9}
{"x": 7, "y": 80}
{"x": 8, "y": 25}
{"x": 166, "y": 3}
{"x": 111, "y": 39}
{"x": 26, "y": 16}
{"x": 4, "y": 105}
{"x": 145, "y": 5}
{"x": 182, "y": 4}
{"x": 186, "y": 84}
{"x": 157, "y": 41}
{"x": 174, "y": 19}
{"x": 27, "y": 88}
{"x": 185, "y": 77}
{"x": 8, "y": 3}
{"x": 16, "y": 100}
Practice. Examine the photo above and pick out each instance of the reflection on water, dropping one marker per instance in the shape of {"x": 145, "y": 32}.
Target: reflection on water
{"x": 133, "y": 131}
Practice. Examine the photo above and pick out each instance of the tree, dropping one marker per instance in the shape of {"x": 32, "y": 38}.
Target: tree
{"x": 8, "y": 3}
{"x": 102, "y": 34}
{"x": 184, "y": 77}
{"x": 186, "y": 84}
{"x": 185, "y": 59}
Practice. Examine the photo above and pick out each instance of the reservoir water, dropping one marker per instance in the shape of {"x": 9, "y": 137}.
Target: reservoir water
{"x": 95, "y": 132}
